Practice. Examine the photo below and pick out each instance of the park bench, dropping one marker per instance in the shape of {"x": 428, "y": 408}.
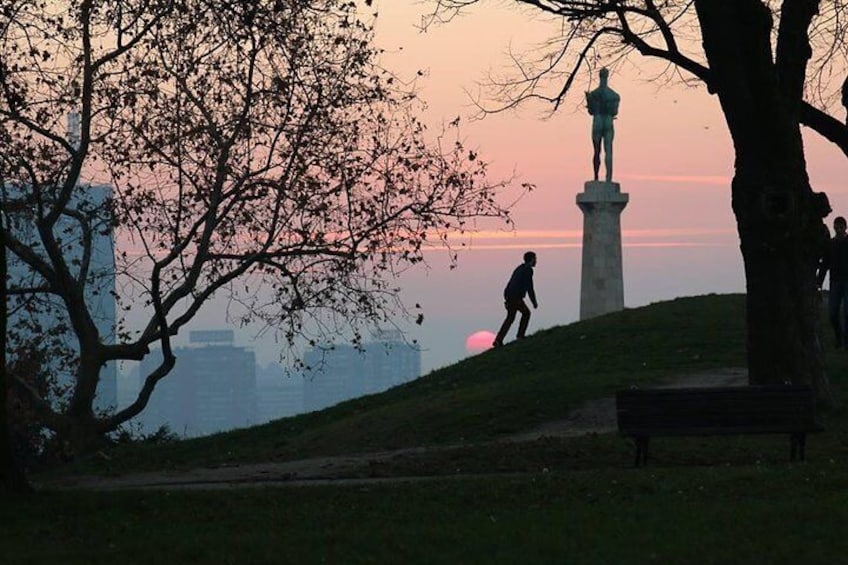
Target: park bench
{"x": 728, "y": 410}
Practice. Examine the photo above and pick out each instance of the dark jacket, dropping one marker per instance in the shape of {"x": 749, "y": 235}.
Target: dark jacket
{"x": 835, "y": 260}
{"x": 521, "y": 284}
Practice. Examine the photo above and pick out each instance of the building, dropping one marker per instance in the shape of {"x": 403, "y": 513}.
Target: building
{"x": 212, "y": 387}
{"x": 391, "y": 361}
{"x": 279, "y": 395}
{"x": 340, "y": 372}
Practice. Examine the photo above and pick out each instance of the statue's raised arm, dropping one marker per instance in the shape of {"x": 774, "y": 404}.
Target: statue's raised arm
{"x": 602, "y": 104}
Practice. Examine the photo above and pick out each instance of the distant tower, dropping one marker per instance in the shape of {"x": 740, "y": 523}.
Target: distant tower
{"x": 602, "y": 279}
{"x": 344, "y": 371}
{"x": 212, "y": 388}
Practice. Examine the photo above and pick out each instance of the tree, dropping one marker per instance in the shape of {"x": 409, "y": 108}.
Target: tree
{"x": 12, "y": 478}
{"x": 251, "y": 144}
{"x": 774, "y": 66}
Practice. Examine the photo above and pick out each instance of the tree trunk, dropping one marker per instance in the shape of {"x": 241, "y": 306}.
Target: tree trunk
{"x": 80, "y": 436}
{"x": 80, "y": 432}
{"x": 12, "y": 479}
{"x": 781, "y": 238}
{"x": 779, "y": 217}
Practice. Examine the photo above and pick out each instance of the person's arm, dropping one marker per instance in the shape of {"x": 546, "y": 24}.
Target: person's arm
{"x": 530, "y": 291}
{"x": 824, "y": 266}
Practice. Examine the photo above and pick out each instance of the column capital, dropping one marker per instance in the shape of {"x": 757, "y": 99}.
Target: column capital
{"x": 596, "y": 191}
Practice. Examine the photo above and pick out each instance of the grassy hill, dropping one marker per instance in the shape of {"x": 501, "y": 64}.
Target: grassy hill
{"x": 569, "y": 500}
{"x": 499, "y": 392}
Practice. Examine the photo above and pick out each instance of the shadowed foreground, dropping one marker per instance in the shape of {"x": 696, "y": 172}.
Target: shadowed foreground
{"x": 506, "y": 480}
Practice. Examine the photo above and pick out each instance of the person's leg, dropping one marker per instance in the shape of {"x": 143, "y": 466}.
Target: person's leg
{"x": 510, "y": 316}
{"x": 596, "y": 146}
{"x": 834, "y": 297}
{"x": 608, "y": 152}
{"x": 525, "y": 318}
{"x": 843, "y": 298}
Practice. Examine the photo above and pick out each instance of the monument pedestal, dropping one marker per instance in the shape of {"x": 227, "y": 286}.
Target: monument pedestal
{"x": 602, "y": 279}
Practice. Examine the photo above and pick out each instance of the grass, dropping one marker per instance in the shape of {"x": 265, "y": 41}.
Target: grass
{"x": 487, "y": 396}
{"x": 701, "y": 500}
{"x": 753, "y": 514}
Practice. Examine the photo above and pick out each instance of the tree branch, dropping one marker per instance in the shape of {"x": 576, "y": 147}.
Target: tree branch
{"x": 825, "y": 125}
{"x": 45, "y": 412}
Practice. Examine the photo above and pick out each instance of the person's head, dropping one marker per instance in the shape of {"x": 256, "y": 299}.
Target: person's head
{"x": 839, "y": 225}
{"x": 530, "y": 258}
{"x": 604, "y": 74}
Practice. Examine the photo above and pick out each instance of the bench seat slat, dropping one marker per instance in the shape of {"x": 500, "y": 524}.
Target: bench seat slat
{"x": 715, "y": 431}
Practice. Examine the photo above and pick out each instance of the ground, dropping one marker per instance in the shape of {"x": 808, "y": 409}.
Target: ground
{"x": 597, "y": 416}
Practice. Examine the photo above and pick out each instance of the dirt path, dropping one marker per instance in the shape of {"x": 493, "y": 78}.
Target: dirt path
{"x": 597, "y": 416}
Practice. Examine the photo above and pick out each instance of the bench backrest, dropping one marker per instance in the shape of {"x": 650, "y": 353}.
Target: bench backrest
{"x": 716, "y": 410}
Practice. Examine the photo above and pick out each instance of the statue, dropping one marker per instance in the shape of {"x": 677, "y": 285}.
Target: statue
{"x": 602, "y": 104}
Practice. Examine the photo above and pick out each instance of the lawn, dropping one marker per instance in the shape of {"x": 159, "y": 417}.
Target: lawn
{"x": 758, "y": 513}
{"x": 486, "y": 396}
{"x": 564, "y": 500}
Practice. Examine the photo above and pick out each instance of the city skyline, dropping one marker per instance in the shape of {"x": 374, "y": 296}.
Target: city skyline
{"x": 217, "y": 385}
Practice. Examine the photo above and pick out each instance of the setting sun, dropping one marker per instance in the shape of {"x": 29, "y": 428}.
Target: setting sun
{"x": 479, "y": 342}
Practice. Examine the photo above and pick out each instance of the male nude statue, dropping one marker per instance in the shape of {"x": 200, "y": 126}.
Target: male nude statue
{"x": 602, "y": 104}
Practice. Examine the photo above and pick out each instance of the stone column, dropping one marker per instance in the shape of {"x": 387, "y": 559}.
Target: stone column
{"x": 602, "y": 280}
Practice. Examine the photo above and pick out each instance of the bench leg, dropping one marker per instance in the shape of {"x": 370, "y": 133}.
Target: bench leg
{"x": 798, "y": 447}
{"x": 641, "y": 451}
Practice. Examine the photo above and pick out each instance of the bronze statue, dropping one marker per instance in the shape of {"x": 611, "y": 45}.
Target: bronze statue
{"x": 602, "y": 104}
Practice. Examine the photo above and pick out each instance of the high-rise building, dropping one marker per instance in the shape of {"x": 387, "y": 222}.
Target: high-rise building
{"x": 391, "y": 361}
{"x": 341, "y": 372}
{"x": 332, "y": 375}
{"x": 212, "y": 387}
{"x": 278, "y": 395}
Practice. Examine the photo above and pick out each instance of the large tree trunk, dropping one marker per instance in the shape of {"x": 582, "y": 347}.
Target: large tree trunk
{"x": 81, "y": 432}
{"x": 778, "y": 216}
{"x": 12, "y": 479}
{"x": 780, "y": 257}
{"x": 80, "y": 435}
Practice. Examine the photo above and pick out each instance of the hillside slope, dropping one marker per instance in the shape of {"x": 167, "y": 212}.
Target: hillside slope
{"x": 488, "y": 396}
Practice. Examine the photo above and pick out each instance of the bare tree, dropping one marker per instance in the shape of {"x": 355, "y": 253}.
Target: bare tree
{"x": 12, "y": 478}
{"x": 251, "y": 144}
{"x": 774, "y": 66}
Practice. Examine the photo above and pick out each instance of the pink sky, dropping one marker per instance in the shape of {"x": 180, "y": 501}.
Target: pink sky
{"x": 673, "y": 155}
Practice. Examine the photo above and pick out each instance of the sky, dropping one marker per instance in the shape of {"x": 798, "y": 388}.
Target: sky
{"x": 673, "y": 156}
